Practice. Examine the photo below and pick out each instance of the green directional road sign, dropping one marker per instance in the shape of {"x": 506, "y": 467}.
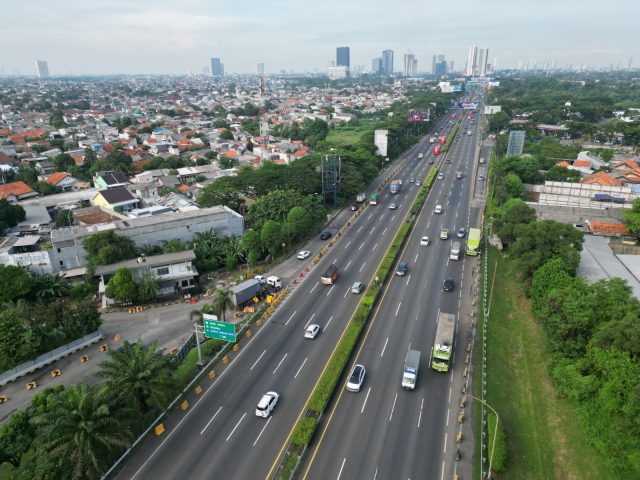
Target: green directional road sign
{"x": 213, "y": 328}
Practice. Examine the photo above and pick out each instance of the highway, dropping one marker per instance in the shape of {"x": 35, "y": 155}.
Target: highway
{"x": 383, "y": 431}
{"x": 219, "y": 436}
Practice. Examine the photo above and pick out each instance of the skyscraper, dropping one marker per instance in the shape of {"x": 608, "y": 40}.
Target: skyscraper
{"x": 482, "y": 61}
{"x": 217, "y": 68}
{"x": 387, "y": 62}
{"x": 42, "y": 68}
{"x": 342, "y": 57}
{"x": 376, "y": 66}
{"x": 471, "y": 60}
{"x": 439, "y": 65}
{"x": 410, "y": 65}
{"x": 260, "y": 69}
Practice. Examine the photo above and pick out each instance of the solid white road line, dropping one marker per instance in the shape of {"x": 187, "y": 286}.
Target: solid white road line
{"x": 305, "y": 361}
{"x": 234, "y": 428}
{"x": 285, "y": 356}
{"x": 260, "y": 434}
{"x": 310, "y": 318}
{"x": 420, "y": 416}
{"x": 340, "y": 472}
{"x": 256, "y": 362}
{"x": 384, "y": 347}
{"x": 212, "y": 418}
{"x": 394, "y": 406}
{"x": 287, "y": 322}
{"x": 365, "y": 400}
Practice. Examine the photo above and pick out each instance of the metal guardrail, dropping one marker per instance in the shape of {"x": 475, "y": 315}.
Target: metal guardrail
{"x": 49, "y": 357}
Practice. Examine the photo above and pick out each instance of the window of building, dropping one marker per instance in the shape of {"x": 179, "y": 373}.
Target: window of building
{"x": 185, "y": 283}
{"x": 162, "y": 271}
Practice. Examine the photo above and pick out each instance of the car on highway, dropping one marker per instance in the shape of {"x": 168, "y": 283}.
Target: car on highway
{"x": 354, "y": 207}
{"x": 303, "y": 254}
{"x": 461, "y": 232}
{"x": 458, "y": 175}
{"x": 441, "y": 176}
{"x": 480, "y": 178}
{"x": 418, "y": 182}
{"x": 424, "y": 241}
{"x": 413, "y": 180}
{"x": 437, "y": 210}
{"x": 431, "y": 161}
{"x": 447, "y": 285}
{"x": 311, "y": 331}
{"x": 444, "y": 233}
{"x": 356, "y": 379}
{"x": 266, "y": 404}
{"x": 401, "y": 271}
{"x": 325, "y": 235}
{"x": 392, "y": 206}
{"x": 357, "y": 287}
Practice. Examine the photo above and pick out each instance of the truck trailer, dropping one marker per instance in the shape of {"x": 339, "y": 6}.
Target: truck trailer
{"x": 410, "y": 372}
{"x": 395, "y": 186}
{"x": 246, "y": 292}
{"x": 442, "y": 350}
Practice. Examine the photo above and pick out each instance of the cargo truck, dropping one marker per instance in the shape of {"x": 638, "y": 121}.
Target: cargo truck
{"x": 245, "y": 293}
{"x": 395, "y": 186}
{"x": 442, "y": 351}
{"x": 443, "y": 140}
{"x": 436, "y": 150}
{"x": 373, "y": 200}
{"x": 410, "y": 372}
{"x": 361, "y": 197}
{"x": 455, "y": 251}
{"x": 473, "y": 241}
{"x": 432, "y": 139}
{"x": 330, "y": 275}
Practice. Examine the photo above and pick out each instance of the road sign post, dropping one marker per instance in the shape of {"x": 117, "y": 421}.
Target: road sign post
{"x": 213, "y": 328}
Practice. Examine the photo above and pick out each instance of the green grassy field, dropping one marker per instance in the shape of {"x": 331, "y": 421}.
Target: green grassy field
{"x": 346, "y": 135}
{"x": 544, "y": 437}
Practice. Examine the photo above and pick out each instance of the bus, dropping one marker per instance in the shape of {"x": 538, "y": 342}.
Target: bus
{"x": 473, "y": 241}
{"x": 373, "y": 200}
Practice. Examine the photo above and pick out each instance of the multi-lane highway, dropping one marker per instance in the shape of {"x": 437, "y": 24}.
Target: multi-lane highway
{"x": 384, "y": 431}
{"x": 220, "y": 436}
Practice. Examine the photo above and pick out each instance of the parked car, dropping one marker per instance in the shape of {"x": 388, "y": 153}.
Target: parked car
{"x": 311, "y": 331}
{"x": 325, "y": 235}
{"x": 304, "y": 254}
{"x": 266, "y": 404}
{"x": 356, "y": 379}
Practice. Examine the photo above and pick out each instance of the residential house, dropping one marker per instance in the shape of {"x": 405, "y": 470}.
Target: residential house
{"x": 64, "y": 181}
{"x": 118, "y": 199}
{"x": 109, "y": 180}
{"x": 16, "y": 191}
{"x": 147, "y": 191}
{"x": 602, "y": 179}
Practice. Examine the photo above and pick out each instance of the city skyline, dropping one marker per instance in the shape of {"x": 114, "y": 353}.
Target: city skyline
{"x": 172, "y": 40}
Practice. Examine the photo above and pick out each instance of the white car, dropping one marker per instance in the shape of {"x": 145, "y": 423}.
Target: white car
{"x": 392, "y": 206}
{"x": 266, "y": 404}
{"x": 438, "y": 209}
{"x": 424, "y": 241}
{"x": 312, "y": 331}
{"x": 303, "y": 254}
{"x": 441, "y": 176}
{"x": 356, "y": 379}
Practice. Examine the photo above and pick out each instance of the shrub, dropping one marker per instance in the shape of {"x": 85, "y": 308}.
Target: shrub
{"x": 303, "y": 431}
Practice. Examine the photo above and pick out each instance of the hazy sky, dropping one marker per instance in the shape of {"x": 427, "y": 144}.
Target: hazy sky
{"x": 163, "y": 36}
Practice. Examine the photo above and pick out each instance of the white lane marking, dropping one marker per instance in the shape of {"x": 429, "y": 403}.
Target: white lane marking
{"x": 305, "y": 361}
{"x": 408, "y": 278}
{"x": 310, "y": 318}
{"x": 362, "y": 266}
{"x": 371, "y": 231}
{"x": 420, "y": 416}
{"x": 393, "y": 407}
{"x": 446, "y": 434}
{"x": 340, "y": 472}
{"x": 330, "y": 290}
{"x": 263, "y": 428}
{"x": 349, "y": 243}
{"x": 361, "y": 246}
{"x": 212, "y": 418}
{"x": 358, "y": 231}
{"x": 314, "y": 287}
{"x": 384, "y": 231}
{"x": 384, "y": 347}
{"x": 327, "y": 325}
{"x": 449, "y": 394}
{"x": 334, "y": 260}
{"x": 442, "y": 474}
{"x": 375, "y": 475}
{"x": 398, "y": 309}
{"x": 234, "y": 428}
{"x": 346, "y": 293}
{"x": 287, "y": 322}
{"x": 374, "y": 247}
{"x": 285, "y": 356}
{"x": 381, "y": 217}
{"x": 394, "y": 216}
{"x": 365, "y": 400}
{"x": 345, "y": 268}
{"x": 256, "y": 362}
{"x": 415, "y": 259}
{"x": 370, "y": 215}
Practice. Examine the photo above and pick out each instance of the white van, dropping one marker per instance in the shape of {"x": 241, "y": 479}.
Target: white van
{"x": 438, "y": 210}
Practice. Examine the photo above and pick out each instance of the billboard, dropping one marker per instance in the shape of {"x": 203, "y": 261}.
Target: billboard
{"x": 469, "y": 106}
{"x": 419, "y": 115}
{"x": 491, "y": 109}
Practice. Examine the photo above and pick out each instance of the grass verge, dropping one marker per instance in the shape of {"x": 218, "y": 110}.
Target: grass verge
{"x": 544, "y": 437}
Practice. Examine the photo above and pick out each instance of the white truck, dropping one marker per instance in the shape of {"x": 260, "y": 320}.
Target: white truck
{"x": 410, "y": 372}
{"x": 361, "y": 197}
{"x": 455, "y": 251}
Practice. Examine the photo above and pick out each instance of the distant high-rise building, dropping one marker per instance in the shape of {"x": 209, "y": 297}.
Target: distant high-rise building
{"x": 336, "y": 73}
{"x": 342, "y": 57}
{"x": 387, "y": 62}
{"x": 471, "y": 60}
{"x": 260, "y": 69}
{"x": 217, "y": 68}
{"x": 482, "y": 61}
{"x": 376, "y": 66}
{"x": 43, "y": 69}
{"x": 410, "y": 65}
{"x": 438, "y": 65}
{"x": 516, "y": 142}
{"x": 450, "y": 67}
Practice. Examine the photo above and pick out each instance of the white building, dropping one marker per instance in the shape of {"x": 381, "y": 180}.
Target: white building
{"x": 336, "y": 73}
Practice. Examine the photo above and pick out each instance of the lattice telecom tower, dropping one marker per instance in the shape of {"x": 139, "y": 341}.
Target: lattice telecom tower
{"x": 330, "y": 179}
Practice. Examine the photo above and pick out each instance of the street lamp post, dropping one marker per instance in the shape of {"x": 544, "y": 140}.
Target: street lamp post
{"x": 493, "y": 444}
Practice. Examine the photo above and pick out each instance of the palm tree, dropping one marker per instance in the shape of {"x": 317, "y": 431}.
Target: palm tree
{"x": 221, "y": 301}
{"x": 148, "y": 286}
{"x": 81, "y": 430}
{"x": 140, "y": 374}
{"x": 236, "y": 250}
{"x": 50, "y": 286}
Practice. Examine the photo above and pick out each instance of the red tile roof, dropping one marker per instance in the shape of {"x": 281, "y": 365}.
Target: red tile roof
{"x": 14, "y": 188}
{"x": 563, "y": 163}
{"x": 183, "y": 188}
{"x": 627, "y": 163}
{"x": 582, "y": 163}
{"x": 55, "y": 178}
{"x": 601, "y": 178}
{"x": 609, "y": 228}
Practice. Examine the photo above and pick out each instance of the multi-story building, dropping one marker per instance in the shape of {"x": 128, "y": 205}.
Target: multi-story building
{"x": 376, "y": 66}
{"x": 336, "y": 73}
{"x": 471, "y": 60}
{"x": 410, "y": 65}
{"x": 260, "y": 69}
{"x": 387, "y": 62}
{"x": 439, "y": 65}
{"x": 342, "y": 57}
{"x": 42, "y": 68}
{"x": 217, "y": 68}
{"x": 482, "y": 61}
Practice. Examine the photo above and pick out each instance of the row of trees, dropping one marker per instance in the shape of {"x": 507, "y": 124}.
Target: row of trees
{"x": 40, "y": 313}
{"x": 77, "y": 432}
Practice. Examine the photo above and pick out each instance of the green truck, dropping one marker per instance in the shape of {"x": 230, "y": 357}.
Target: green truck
{"x": 473, "y": 241}
{"x": 442, "y": 351}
